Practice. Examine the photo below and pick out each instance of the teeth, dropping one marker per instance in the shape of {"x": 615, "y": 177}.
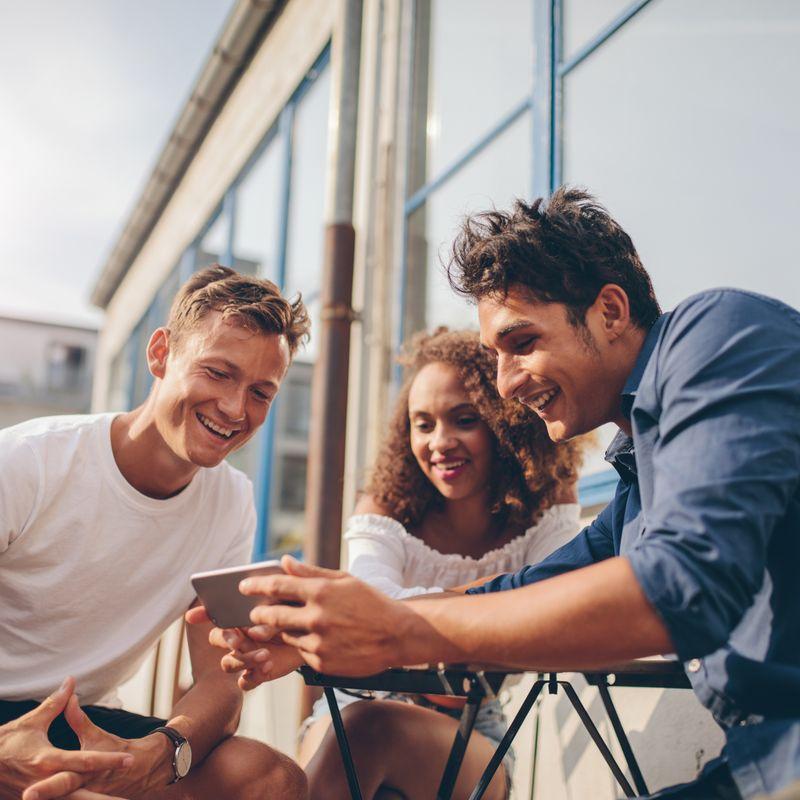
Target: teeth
{"x": 226, "y": 432}
{"x": 542, "y": 400}
{"x": 451, "y": 465}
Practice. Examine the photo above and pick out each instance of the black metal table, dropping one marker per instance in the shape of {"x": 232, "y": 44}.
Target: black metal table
{"x": 474, "y": 683}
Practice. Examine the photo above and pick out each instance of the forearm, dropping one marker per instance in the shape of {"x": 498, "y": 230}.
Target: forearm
{"x": 208, "y": 713}
{"x": 590, "y": 618}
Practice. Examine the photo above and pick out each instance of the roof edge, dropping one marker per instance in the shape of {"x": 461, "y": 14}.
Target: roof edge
{"x": 244, "y": 30}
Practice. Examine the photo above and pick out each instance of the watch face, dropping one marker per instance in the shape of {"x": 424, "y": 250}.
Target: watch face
{"x": 183, "y": 759}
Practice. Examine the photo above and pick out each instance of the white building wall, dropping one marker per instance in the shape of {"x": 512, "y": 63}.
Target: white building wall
{"x": 289, "y": 50}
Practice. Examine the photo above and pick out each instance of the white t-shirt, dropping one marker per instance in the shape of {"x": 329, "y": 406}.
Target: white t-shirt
{"x": 384, "y": 554}
{"x": 91, "y": 571}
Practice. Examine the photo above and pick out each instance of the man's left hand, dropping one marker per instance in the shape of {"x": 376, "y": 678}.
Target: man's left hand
{"x": 339, "y": 624}
{"x": 151, "y": 770}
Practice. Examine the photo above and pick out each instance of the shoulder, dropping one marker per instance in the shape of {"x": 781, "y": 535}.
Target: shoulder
{"x": 718, "y": 311}
{"x": 362, "y": 524}
{"x": 558, "y": 522}
{"x": 37, "y": 436}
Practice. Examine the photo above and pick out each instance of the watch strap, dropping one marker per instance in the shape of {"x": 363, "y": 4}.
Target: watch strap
{"x": 177, "y": 740}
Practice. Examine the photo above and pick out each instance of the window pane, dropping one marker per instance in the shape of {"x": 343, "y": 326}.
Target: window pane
{"x": 472, "y": 66}
{"x": 494, "y": 178}
{"x": 213, "y": 246}
{"x": 256, "y": 229}
{"x": 307, "y": 200}
{"x": 686, "y": 124}
{"x": 288, "y": 485}
{"x": 584, "y": 19}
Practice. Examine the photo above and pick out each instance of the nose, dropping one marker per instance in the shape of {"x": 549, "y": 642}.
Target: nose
{"x": 233, "y": 404}
{"x": 441, "y": 440}
{"x": 510, "y": 377}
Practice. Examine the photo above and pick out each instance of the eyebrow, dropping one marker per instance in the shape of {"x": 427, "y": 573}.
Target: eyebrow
{"x": 512, "y": 327}
{"x": 235, "y": 368}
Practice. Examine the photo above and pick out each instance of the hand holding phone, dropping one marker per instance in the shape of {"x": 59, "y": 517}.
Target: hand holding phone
{"x": 218, "y": 591}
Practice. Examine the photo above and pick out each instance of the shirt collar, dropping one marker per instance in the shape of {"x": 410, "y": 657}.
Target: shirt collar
{"x": 634, "y": 379}
{"x": 622, "y": 456}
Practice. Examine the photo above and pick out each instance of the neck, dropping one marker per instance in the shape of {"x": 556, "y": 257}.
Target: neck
{"x": 145, "y": 460}
{"x": 626, "y": 355}
{"x": 469, "y": 521}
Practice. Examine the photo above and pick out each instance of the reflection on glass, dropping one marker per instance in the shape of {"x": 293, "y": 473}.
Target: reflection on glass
{"x": 256, "y": 229}
{"x": 472, "y": 66}
{"x": 213, "y": 247}
{"x": 696, "y": 160}
{"x": 494, "y": 178}
{"x": 584, "y": 19}
{"x": 290, "y": 457}
{"x": 307, "y": 197}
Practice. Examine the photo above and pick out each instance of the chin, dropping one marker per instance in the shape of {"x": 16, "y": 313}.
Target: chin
{"x": 558, "y": 431}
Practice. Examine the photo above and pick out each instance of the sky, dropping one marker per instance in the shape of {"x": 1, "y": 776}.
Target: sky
{"x": 89, "y": 92}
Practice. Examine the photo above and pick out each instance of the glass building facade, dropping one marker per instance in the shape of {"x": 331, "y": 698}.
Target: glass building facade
{"x": 680, "y": 115}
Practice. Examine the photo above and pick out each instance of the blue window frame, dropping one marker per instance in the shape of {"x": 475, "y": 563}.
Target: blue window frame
{"x": 221, "y": 225}
{"x": 543, "y": 105}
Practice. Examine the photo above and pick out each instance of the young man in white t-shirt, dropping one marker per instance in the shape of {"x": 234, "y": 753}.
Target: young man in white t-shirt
{"x": 102, "y": 520}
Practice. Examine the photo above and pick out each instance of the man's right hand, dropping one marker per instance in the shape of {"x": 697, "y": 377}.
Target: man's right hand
{"x": 256, "y": 653}
{"x": 27, "y": 757}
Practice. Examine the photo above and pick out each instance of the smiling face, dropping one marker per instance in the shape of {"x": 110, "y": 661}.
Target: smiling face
{"x": 214, "y": 387}
{"x": 450, "y": 441}
{"x": 570, "y": 376}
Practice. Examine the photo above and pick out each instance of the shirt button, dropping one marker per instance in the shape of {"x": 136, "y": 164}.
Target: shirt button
{"x": 694, "y": 665}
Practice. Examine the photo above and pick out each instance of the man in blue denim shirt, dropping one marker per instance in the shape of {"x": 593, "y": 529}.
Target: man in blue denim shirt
{"x": 699, "y": 551}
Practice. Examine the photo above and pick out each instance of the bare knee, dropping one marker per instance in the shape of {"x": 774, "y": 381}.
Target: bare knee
{"x": 370, "y": 721}
{"x": 251, "y": 770}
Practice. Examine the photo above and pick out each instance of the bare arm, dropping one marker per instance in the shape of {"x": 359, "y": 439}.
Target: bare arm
{"x": 209, "y": 711}
{"x": 593, "y": 617}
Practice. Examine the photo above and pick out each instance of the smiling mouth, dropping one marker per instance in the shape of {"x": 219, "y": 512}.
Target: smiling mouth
{"x": 449, "y": 466}
{"x": 541, "y": 401}
{"x": 217, "y": 430}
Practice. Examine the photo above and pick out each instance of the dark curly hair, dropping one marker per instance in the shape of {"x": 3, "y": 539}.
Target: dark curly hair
{"x": 528, "y": 470}
{"x": 561, "y": 250}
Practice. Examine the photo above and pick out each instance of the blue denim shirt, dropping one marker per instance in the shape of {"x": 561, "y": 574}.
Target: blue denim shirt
{"x": 707, "y": 511}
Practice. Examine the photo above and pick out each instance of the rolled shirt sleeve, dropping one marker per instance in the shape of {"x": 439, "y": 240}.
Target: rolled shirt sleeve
{"x": 726, "y": 461}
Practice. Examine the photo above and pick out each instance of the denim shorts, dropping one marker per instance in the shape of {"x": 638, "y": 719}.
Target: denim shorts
{"x": 490, "y": 721}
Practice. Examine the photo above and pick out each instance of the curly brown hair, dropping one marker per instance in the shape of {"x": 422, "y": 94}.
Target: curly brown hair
{"x": 529, "y": 469}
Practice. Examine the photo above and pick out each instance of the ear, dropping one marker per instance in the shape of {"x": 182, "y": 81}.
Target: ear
{"x": 157, "y": 352}
{"x": 612, "y": 311}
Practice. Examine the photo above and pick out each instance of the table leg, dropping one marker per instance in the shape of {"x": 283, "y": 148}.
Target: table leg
{"x": 597, "y": 738}
{"x": 344, "y": 746}
{"x": 625, "y": 745}
{"x": 505, "y": 742}
{"x": 460, "y": 742}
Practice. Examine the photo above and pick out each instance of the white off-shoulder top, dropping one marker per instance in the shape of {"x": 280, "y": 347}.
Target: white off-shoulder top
{"x": 385, "y": 555}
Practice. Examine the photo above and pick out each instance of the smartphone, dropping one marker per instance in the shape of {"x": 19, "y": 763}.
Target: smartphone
{"x": 218, "y": 591}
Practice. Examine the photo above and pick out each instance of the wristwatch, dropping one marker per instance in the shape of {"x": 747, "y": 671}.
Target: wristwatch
{"x": 182, "y": 759}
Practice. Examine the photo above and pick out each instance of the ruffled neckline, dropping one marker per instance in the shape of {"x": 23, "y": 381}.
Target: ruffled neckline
{"x": 391, "y": 526}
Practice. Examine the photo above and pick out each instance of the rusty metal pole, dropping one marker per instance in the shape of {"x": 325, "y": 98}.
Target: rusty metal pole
{"x": 326, "y": 451}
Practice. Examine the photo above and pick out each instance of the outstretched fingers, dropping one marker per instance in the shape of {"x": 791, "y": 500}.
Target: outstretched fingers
{"x": 89, "y": 760}
{"x": 53, "y": 705}
{"x": 283, "y": 618}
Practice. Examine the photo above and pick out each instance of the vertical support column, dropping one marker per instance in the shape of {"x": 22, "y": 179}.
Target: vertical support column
{"x": 543, "y": 97}
{"x": 329, "y": 384}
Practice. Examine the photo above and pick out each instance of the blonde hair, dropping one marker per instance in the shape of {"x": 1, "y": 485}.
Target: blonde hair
{"x": 254, "y": 303}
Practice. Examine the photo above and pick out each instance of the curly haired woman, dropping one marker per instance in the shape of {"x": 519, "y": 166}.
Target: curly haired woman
{"x": 466, "y": 485}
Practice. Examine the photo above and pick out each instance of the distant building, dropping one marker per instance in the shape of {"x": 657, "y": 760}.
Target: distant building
{"x": 46, "y": 368}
